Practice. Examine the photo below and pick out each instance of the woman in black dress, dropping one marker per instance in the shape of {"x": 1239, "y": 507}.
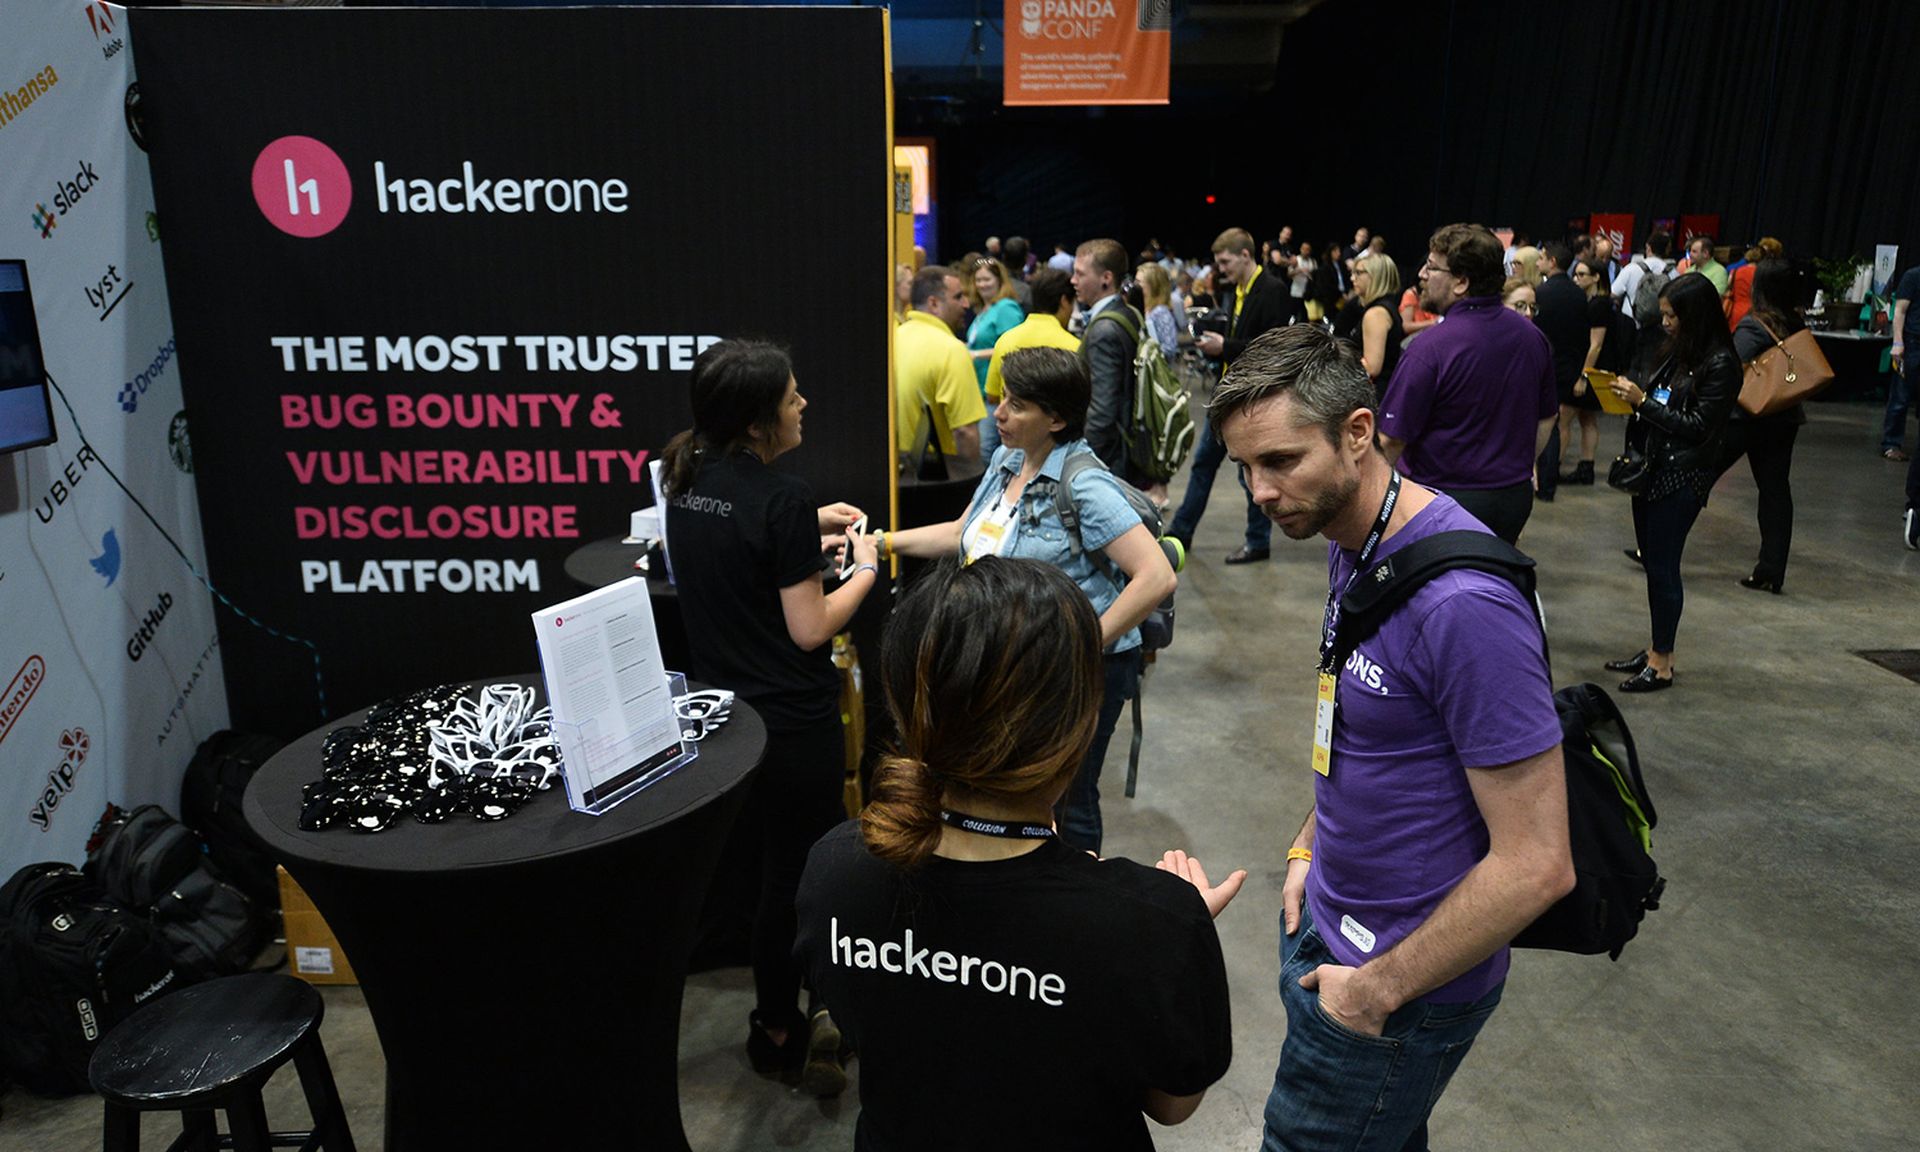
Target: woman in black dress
{"x": 1606, "y": 351}
{"x": 1767, "y": 441}
{"x": 1685, "y": 406}
{"x": 1372, "y": 319}
{"x": 746, "y": 545}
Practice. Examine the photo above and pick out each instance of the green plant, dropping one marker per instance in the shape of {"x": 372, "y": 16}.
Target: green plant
{"x": 1837, "y": 276}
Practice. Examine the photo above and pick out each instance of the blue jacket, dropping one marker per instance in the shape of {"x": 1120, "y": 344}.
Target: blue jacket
{"x": 1038, "y": 534}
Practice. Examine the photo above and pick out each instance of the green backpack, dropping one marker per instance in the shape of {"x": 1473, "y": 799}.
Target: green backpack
{"x": 1160, "y": 428}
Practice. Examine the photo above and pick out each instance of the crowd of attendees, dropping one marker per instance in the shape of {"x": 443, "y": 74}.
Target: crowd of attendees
{"x": 968, "y": 901}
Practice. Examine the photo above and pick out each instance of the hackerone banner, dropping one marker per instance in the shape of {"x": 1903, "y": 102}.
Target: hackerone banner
{"x": 441, "y": 300}
{"x": 1087, "y": 51}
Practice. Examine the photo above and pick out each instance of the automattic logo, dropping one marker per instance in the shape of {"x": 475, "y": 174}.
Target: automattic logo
{"x": 301, "y": 186}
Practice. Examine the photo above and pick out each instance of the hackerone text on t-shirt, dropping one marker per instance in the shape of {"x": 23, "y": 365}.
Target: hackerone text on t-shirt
{"x": 903, "y": 958}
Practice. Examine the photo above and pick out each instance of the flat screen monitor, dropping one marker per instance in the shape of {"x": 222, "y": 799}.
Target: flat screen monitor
{"x": 26, "y": 412}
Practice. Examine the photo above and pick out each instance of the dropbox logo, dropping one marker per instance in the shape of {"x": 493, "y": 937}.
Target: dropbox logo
{"x": 301, "y": 186}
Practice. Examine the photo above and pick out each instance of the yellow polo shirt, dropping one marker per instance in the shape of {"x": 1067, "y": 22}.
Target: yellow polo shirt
{"x": 931, "y": 366}
{"x": 1036, "y": 331}
{"x": 1240, "y": 291}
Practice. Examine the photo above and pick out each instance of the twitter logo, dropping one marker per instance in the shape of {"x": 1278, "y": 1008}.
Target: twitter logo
{"x": 108, "y": 562}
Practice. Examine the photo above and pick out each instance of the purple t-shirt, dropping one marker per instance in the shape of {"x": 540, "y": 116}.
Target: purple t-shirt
{"x": 1468, "y": 396}
{"x": 1454, "y": 679}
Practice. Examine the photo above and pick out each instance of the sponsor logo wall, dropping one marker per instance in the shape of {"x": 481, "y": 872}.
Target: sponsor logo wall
{"x": 85, "y": 580}
{"x": 433, "y": 325}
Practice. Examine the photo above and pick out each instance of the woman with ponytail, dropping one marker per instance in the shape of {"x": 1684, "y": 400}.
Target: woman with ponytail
{"x": 1004, "y": 989}
{"x": 747, "y": 546}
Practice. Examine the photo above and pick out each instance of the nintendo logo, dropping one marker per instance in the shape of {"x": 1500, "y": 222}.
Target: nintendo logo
{"x": 25, "y": 683}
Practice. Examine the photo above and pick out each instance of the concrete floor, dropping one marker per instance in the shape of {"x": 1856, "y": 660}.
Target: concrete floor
{"x": 1768, "y": 1004}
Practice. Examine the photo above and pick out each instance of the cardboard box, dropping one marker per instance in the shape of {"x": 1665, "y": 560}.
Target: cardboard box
{"x": 312, "y": 953}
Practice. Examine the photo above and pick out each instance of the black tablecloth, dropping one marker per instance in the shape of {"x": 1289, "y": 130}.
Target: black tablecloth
{"x": 1855, "y": 360}
{"x": 524, "y": 975}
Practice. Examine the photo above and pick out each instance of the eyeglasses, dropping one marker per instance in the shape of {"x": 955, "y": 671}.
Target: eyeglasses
{"x": 1430, "y": 266}
{"x": 1524, "y": 308}
{"x": 1582, "y": 272}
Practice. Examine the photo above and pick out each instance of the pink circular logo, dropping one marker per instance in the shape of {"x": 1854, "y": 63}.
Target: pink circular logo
{"x": 301, "y": 186}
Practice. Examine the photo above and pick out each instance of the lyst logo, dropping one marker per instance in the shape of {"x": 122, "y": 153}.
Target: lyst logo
{"x": 301, "y": 186}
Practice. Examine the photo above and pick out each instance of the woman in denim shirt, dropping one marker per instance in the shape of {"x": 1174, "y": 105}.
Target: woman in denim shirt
{"x": 1120, "y": 565}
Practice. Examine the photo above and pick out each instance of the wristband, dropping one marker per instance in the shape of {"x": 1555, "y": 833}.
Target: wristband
{"x": 859, "y": 568}
{"x": 1299, "y": 854}
{"x": 885, "y": 545}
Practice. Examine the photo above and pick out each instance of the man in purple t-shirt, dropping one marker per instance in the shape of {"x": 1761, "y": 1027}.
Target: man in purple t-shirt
{"x": 1439, "y": 827}
{"x": 1471, "y": 404}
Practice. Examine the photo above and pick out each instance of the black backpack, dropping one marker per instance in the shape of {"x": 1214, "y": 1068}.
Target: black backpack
{"x": 210, "y": 805}
{"x": 1610, "y": 815}
{"x": 72, "y": 965}
{"x": 150, "y": 862}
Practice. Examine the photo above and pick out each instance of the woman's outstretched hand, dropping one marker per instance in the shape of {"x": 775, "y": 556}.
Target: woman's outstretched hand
{"x": 1188, "y": 868}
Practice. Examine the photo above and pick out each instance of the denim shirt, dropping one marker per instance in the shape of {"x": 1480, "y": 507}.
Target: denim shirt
{"x": 1038, "y": 534}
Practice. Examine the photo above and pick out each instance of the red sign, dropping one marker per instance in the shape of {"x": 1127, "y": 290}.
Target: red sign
{"x": 1087, "y": 51}
{"x": 1617, "y": 227}
{"x": 1698, "y": 225}
{"x": 25, "y": 683}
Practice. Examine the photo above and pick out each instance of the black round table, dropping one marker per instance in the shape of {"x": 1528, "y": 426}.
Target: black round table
{"x": 525, "y": 975}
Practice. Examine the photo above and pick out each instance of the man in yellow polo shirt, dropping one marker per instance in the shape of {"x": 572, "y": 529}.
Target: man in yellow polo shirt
{"x": 1044, "y": 327}
{"x": 931, "y": 368}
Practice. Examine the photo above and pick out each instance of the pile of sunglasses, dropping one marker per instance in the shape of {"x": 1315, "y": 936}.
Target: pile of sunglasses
{"x": 433, "y": 755}
{"x": 703, "y": 711}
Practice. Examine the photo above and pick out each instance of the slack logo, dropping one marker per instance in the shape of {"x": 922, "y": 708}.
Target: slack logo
{"x": 301, "y": 186}
{"x": 67, "y": 195}
{"x": 43, "y": 221}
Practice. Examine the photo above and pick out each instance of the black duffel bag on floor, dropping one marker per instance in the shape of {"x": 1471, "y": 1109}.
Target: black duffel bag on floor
{"x": 72, "y": 965}
{"x": 150, "y": 862}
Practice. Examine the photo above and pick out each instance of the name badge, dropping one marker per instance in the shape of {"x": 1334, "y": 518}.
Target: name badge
{"x": 1323, "y": 725}
{"x": 1662, "y": 394}
{"x": 986, "y": 539}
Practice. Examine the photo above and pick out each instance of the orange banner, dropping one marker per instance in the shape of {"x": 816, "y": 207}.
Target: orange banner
{"x": 1088, "y": 51}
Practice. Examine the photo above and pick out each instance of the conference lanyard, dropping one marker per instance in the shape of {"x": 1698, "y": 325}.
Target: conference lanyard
{"x": 1331, "y": 620}
{"x": 1006, "y": 830}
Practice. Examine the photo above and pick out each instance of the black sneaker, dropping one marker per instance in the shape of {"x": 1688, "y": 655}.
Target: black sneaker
{"x": 823, "y": 1075}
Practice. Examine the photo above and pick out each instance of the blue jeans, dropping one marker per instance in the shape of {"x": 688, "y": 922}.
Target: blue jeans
{"x": 1337, "y": 1089}
{"x": 1207, "y": 457}
{"x": 1900, "y": 387}
{"x": 1079, "y": 810}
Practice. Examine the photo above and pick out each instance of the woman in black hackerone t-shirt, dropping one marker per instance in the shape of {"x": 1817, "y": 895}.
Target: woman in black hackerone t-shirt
{"x": 1003, "y": 989}
{"x": 746, "y": 546}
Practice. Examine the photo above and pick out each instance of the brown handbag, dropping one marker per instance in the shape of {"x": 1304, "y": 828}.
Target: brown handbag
{"x": 1792, "y": 370}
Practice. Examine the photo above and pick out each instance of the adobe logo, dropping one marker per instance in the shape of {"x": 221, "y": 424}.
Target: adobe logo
{"x": 301, "y": 186}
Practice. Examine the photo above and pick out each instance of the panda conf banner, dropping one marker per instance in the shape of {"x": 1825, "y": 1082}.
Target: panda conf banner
{"x": 1087, "y": 51}
{"x": 441, "y": 277}
{"x": 110, "y": 668}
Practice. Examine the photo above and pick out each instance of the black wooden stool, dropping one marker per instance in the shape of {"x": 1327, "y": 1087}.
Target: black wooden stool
{"x": 213, "y": 1046}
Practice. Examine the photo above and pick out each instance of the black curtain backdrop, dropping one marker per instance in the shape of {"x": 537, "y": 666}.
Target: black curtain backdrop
{"x": 1788, "y": 119}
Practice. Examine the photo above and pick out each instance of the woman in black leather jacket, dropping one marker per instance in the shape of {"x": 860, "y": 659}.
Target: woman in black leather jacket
{"x": 1685, "y": 407}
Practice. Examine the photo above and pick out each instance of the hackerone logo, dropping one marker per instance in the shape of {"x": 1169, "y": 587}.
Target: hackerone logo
{"x": 301, "y": 186}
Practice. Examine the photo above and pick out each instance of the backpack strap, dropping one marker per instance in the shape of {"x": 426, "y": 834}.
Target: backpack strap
{"x": 1063, "y": 506}
{"x": 1372, "y": 598}
{"x": 1122, "y": 314}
